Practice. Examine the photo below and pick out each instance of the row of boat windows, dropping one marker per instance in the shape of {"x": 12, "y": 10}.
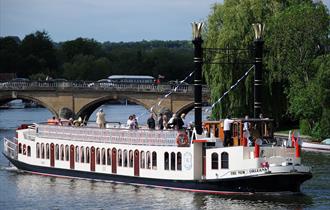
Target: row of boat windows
{"x": 23, "y": 149}
{"x": 148, "y": 160}
{"x": 224, "y": 162}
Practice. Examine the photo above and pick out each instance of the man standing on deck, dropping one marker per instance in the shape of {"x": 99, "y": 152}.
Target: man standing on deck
{"x": 226, "y": 129}
{"x": 160, "y": 122}
{"x": 100, "y": 118}
{"x": 151, "y": 122}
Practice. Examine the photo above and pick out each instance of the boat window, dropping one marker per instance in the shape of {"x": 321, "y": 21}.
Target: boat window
{"x": 57, "y": 152}
{"x": 87, "y": 154}
{"x": 97, "y": 155}
{"x": 38, "y": 150}
{"x": 24, "y": 149}
{"x": 77, "y": 154}
{"x": 109, "y": 157}
{"x": 166, "y": 161}
{"x": 19, "y": 148}
{"x": 173, "y": 161}
{"x": 67, "y": 152}
{"x": 120, "y": 157}
{"x": 82, "y": 155}
{"x": 215, "y": 160}
{"x": 42, "y": 148}
{"x": 62, "y": 152}
{"x": 29, "y": 151}
{"x": 148, "y": 160}
{"x": 103, "y": 156}
{"x": 131, "y": 158}
{"x": 224, "y": 160}
{"x": 179, "y": 162}
{"x": 154, "y": 160}
{"x": 143, "y": 158}
{"x": 47, "y": 151}
{"x": 125, "y": 158}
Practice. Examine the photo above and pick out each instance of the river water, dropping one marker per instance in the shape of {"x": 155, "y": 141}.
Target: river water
{"x": 19, "y": 190}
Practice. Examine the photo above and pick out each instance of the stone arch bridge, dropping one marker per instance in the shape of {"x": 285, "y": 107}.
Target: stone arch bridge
{"x": 82, "y": 98}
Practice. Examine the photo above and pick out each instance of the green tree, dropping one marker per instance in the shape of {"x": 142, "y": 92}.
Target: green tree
{"x": 9, "y": 55}
{"x": 295, "y": 30}
{"x": 38, "y": 54}
{"x": 80, "y": 46}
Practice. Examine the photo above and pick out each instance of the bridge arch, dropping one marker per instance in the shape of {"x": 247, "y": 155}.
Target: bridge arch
{"x": 7, "y": 98}
{"x": 185, "y": 109}
{"x": 87, "y": 110}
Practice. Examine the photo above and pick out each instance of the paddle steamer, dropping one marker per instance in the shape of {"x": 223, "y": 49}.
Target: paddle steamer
{"x": 190, "y": 160}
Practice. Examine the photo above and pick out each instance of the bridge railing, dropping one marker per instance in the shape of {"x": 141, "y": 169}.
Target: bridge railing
{"x": 95, "y": 86}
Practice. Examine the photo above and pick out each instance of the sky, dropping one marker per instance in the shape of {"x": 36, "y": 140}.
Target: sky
{"x": 104, "y": 20}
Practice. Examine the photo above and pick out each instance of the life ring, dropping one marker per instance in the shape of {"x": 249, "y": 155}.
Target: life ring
{"x": 182, "y": 139}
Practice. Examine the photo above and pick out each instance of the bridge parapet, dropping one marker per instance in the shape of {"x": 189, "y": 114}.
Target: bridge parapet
{"x": 96, "y": 86}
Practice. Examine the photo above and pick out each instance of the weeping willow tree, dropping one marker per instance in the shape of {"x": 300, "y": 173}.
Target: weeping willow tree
{"x": 230, "y": 26}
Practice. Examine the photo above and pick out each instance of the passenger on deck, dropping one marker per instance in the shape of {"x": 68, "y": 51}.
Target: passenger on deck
{"x": 246, "y": 132}
{"x": 130, "y": 122}
{"x": 170, "y": 123}
{"x": 151, "y": 122}
{"x": 175, "y": 122}
{"x": 183, "y": 117}
{"x": 226, "y": 128}
{"x": 165, "y": 121}
{"x": 160, "y": 122}
{"x": 100, "y": 118}
{"x": 136, "y": 124}
{"x": 52, "y": 121}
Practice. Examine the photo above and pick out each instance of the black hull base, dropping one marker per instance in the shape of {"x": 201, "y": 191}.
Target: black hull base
{"x": 270, "y": 183}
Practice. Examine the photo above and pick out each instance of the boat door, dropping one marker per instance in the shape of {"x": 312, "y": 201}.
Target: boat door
{"x": 52, "y": 159}
{"x": 136, "y": 163}
{"x": 72, "y": 156}
{"x": 92, "y": 159}
{"x": 114, "y": 161}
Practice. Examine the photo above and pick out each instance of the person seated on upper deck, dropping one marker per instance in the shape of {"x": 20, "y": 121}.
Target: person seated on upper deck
{"x": 175, "y": 122}
{"x": 52, "y": 121}
{"x": 151, "y": 122}
{"x": 227, "y": 131}
{"x": 130, "y": 122}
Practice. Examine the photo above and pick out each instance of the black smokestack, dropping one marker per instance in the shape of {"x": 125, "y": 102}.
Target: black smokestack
{"x": 198, "y": 60}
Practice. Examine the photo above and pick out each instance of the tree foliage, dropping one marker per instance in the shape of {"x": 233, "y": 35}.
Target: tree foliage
{"x": 295, "y": 36}
{"x": 87, "y": 59}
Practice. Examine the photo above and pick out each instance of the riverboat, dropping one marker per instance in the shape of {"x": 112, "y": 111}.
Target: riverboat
{"x": 168, "y": 159}
{"x": 190, "y": 160}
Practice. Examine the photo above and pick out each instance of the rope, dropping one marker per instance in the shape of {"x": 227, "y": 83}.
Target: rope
{"x": 230, "y": 89}
{"x": 167, "y": 95}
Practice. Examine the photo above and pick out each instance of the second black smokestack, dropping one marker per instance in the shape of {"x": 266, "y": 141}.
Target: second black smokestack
{"x": 198, "y": 60}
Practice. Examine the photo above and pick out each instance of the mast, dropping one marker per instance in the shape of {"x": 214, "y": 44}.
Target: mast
{"x": 198, "y": 60}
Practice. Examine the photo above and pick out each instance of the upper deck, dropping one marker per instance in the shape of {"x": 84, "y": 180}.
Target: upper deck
{"x": 108, "y": 135}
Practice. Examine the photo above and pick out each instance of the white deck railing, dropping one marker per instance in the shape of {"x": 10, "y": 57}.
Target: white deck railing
{"x": 114, "y": 136}
{"x": 10, "y": 147}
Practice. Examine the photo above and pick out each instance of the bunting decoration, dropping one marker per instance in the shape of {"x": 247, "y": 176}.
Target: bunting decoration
{"x": 230, "y": 89}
